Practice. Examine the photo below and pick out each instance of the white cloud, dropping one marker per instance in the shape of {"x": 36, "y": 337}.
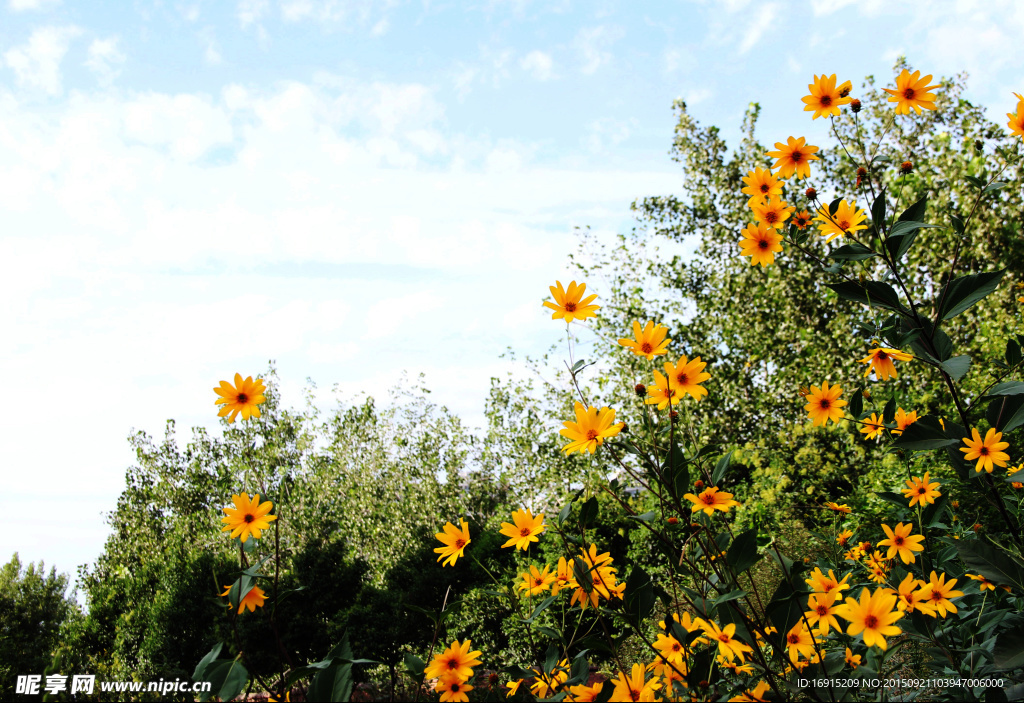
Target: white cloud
{"x": 22, "y": 5}
{"x": 251, "y": 11}
{"x": 105, "y": 60}
{"x": 762, "y": 22}
{"x": 211, "y": 50}
{"x": 606, "y": 132}
{"x": 539, "y": 64}
{"x": 36, "y": 64}
{"x": 591, "y": 45}
{"x": 678, "y": 60}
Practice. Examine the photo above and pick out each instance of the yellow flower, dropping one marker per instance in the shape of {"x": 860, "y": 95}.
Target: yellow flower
{"x": 546, "y": 684}
{"x": 793, "y": 157}
{"x": 685, "y": 376}
{"x": 912, "y": 93}
{"x": 255, "y": 598}
{"x": 881, "y": 359}
{"x": 852, "y": 660}
{"x": 904, "y": 420}
{"x": 247, "y": 517}
{"x": 820, "y": 583}
{"x": 801, "y": 219}
{"x": 836, "y": 507}
{"x": 844, "y": 538}
{"x": 920, "y": 491}
{"x": 590, "y": 430}
{"x": 569, "y": 305}
{"x": 710, "y": 500}
{"x": 824, "y": 99}
{"x": 848, "y": 219}
{"x": 454, "y": 540}
{"x": 772, "y": 212}
{"x": 822, "y": 611}
{"x": 454, "y": 660}
{"x": 650, "y": 342}
{"x": 1016, "y": 123}
{"x": 937, "y": 594}
{"x": 669, "y": 648}
{"x": 823, "y": 404}
{"x": 987, "y": 452}
{"x": 584, "y": 694}
{"x": 873, "y": 616}
{"x": 901, "y": 542}
{"x": 873, "y": 426}
{"x": 728, "y": 645}
{"x": 909, "y": 596}
{"x": 755, "y": 696}
{"x": 452, "y": 688}
{"x": 563, "y": 576}
{"x": 243, "y": 397}
{"x": 525, "y": 529}
{"x": 634, "y": 688}
{"x": 761, "y": 185}
{"x": 513, "y": 687}
{"x": 760, "y": 242}
{"x": 534, "y": 581}
{"x": 800, "y": 642}
{"x": 983, "y": 583}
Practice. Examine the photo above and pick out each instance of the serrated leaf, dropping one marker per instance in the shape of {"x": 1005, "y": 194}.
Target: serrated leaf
{"x": 992, "y": 563}
{"x": 742, "y": 552}
{"x": 857, "y": 402}
{"x": 878, "y": 210}
{"x": 975, "y": 181}
{"x": 902, "y": 237}
{"x": 874, "y": 293}
{"x": 1007, "y": 388}
{"x": 205, "y": 661}
{"x": 958, "y": 223}
{"x": 852, "y": 252}
{"x": 915, "y": 213}
{"x": 541, "y": 607}
{"x": 957, "y": 366}
{"x": 1012, "y": 355}
{"x": 722, "y": 467}
{"x": 924, "y": 434}
{"x": 730, "y": 596}
{"x": 889, "y": 412}
{"x": 963, "y": 292}
{"x": 227, "y": 679}
{"x": 833, "y": 207}
{"x": 639, "y": 595}
{"x": 895, "y": 498}
{"x": 414, "y": 665}
{"x": 588, "y": 513}
{"x": 994, "y": 186}
{"x": 563, "y": 514}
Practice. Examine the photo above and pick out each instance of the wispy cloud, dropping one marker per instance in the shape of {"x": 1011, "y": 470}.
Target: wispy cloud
{"x": 105, "y": 60}
{"x": 763, "y": 21}
{"x": 592, "y": 46}
{"x": 36, "y": 64}
{"x": 539, "y": 64}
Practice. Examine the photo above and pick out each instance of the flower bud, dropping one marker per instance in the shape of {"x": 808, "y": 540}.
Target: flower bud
{"x": 811, "y": 194}
{"x": 673, "y": 415}
{"x": 672, "y": 520}
{"x": 977, "y": 526}
{"x": 698, "y": 484}
{"x": 844, "y": 92}
{"x": 640, "y": 389}
{"x": 625, "y": 428}
{"x": 906, "y": 167}
{"x": 978, "y": 145}
{"x": 855, "y": 105}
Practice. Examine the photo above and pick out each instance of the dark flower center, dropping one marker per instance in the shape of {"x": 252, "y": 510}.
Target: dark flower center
{"x": 762, "y": 244}
{"x": 881, "y": 355}
{"x": 634, "y": 694}
{"x": 898, "y": 541}
{"x": 242, "y": 398}
{"x": 570, "y": 307}
{"x": 984, "y": 451}
{"x": 793, "y": 639}
{"x": 646, "y": 348}
{"x": 771, "y": 216}
{"x": 921, "y": 491}
{"x": 909, "y": 93}
{"x": 453, "y": 663}
{"x": 826, "y": 100}
{"x": 796, "y": 156}
{"x": 822, "y": 610}
{"x": 764, "y": 188}
{"x": 249, "y": 517}
{"x": 525, "y": 532}
{"x": 825, "y": 404}
{"x": 684, "y": 379}
{"x": 591, "y": 435}
{"x": 870, "y": 622}
{"x": 460, "y": 543}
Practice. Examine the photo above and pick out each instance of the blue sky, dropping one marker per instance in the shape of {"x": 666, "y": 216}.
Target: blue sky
{"x": 355, "y": 189}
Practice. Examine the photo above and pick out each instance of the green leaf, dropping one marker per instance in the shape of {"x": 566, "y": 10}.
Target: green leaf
{"x": 723, "y": 466}
{"x": 878, "y": 211}
{"x": 992, "y": 563}
{"x": 332, "y": 684}
{"x": 895, "y": 498}
{"x": 227, "y": 679}
{"x": 677, "y": 475}
{"x": 1013, "y": 356}
{"x": 414, "y": 665}
{"x": 1017, "y": 477}
{"x": 731, "y": 595}
{"x": 961, "y": 293}
{"x": 647, "y": 517}
{"x": 889, "y": 412}
{"x": 588, "y": 513}
{"x": 958, "y": 223}
{"x": 852, "y": 252}
{"x": 902, "y": 237}
{"x": 639, "y": 595}
{"x": 551, "y": 658}
{"x": 541, "y": 607}
{"x": 1006, "y": 413}
{"x": 742, "y": 552}
{"x": 957, "y": 366}
{"x": 975, "y": 181}
{"x": 1008, "y": 652}
{"x": 1007, "y": 388}
{"x": 205, "y": 661}
{"x": 915, "y": 213}
{"x": 994, "y": 186}
{"x": 924, "y": 434}
{"x": 874, "y": 293}
{"x": 833, "y": 207}
{"x": 563, "y": 514}
{"x": 857, "y": 402}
